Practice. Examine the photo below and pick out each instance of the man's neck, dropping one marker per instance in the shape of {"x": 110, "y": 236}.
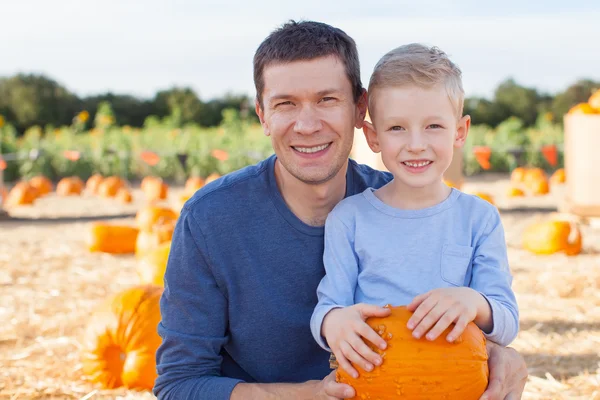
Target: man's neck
{"x": 310, "y": 203}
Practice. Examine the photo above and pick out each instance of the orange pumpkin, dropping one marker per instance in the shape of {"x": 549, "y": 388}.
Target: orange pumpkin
{"x": 70, "y": 186}
{"x": 514, "y": 192}
{"x": 151, "y": 268}
{"x": 192, "y": 184}
{"x": 558, "y": 177}
{"x": 154, "y": 188}
{"x": 422, "y": 369}
{"x": 21, "y": 194}
{"x": 149, "y": 216}
{"x": 120, "y": 340}
{"x": 517, "y": 176}
{"x": 548, "y": 237}
{"x": 594, "y": 100}
{"x": 149, "y": 240}
{"x": 110, "y": 238}
{"x": 539, "y": 187}
{"x": 93, "y": 182}
{"x": 124, "y": 196}
{"x": 42, "y": 184}
{"x": 452, "y": 184}
{"x": 583, "y": 108}
{"x": 110, "y": 186}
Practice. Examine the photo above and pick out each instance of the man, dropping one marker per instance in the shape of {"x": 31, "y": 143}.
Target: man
{"x": 246, "y": 256}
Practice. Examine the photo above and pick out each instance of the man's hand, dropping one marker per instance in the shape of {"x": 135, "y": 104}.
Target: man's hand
{"x": 329, "y": 389}
{"x": 437, "y": 309}
{"x": 344, "y": 330}
{"x": 508, "y": 373}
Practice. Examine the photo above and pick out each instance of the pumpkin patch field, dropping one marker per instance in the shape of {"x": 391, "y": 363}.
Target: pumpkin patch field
{"x": 81, "y": 271}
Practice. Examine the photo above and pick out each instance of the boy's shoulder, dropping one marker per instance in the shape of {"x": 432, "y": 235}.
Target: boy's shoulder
{"x": 477, "y": 206}
{"x": 349, "y": 207}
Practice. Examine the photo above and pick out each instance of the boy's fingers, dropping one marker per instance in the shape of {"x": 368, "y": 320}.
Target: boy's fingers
{"x": 459, "y": 328}
{"x": 412, "y": 306}
{"x": 424, "y": 308}
{"x": 440, "y": 326}
{"x": 369, "y": 334}
{"x": 366, "y": 353}
{"x": 343, "y": 361}
{"x": 370, "y": 310}
{"x": 429, "y": 320}
{"x": 357, "y": 360}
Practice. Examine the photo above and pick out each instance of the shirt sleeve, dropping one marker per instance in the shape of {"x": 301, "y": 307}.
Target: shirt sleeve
{"x": 194, "y": 322}
{"x": 492, "y": 278}
{"x": 336, "y": 289}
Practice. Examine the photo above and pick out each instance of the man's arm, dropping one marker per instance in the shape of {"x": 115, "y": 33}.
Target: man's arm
{"x": 508, "y": 373}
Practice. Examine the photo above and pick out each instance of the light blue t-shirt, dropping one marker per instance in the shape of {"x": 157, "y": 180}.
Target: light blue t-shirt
{"x": 378, "y": 254}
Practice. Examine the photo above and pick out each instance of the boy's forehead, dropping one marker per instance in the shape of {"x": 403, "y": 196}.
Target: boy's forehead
{"x": 413, "y": 98}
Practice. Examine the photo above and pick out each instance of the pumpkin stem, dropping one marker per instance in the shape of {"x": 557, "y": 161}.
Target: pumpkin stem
{"x": 573, "y": 241}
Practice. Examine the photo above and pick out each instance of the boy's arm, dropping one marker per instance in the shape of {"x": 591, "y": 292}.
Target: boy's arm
{"x": 336, "y": 289}
{"x": 492, "y": 278}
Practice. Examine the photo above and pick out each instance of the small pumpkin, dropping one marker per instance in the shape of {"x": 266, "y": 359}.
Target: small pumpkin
{"x": 422, "y": 369}
{"x": 110, "y": 186}
{"x": 160, "y": 233}
{"x": 93, "y": 182}
{"x": 539, "y": 187}
{"x": 583, "y": 108}
{"x": 192, "y": 184}
{"x": 558, "y": 177}
{"x": 69, "y": 186}
{"x": 120, "y": 340}
{"x": 517, "y": 175}
{"x": 42, "y": 184}
{"x": 154, "y": 188}
{"x": 150, "y": 215}
{"x": 594, "y": 100}
{"x": 111, "y": 238}
{"x": 151, "y": 268}
{"x": 21, "y": 194}
{"x": 514, "y": 192}
{"x": 124, "y": 195}
{"x": 549, "y": 237}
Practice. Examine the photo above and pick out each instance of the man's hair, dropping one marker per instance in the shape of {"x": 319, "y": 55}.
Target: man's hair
{"x": 303, "y": 41}
{"x": 416, "y": 64}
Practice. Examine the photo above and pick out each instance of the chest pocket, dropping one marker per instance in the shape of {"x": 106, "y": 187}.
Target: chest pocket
{"x": 455, "y": 263}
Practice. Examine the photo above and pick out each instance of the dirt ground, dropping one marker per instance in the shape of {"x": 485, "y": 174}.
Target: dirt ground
{"x": 49, "y": 284}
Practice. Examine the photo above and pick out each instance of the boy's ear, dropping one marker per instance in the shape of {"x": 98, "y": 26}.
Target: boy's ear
{"x": 371, "y": 136}
{"x": 462, "y": 130}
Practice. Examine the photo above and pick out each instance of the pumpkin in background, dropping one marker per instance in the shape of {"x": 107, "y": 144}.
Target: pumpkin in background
{"x": 583, "y": 108}
{"x": 539, "y": 187}
{"x": 422, "y": 369}
{"x": 485, "y": 196}
{"x": 42, "y": 184}
{"x": 120, "y": 340}
{"x": 70, "y": 186}
{"x": 549, "y": 237}
{"x": 558, "y": 177}
{"x": 514, "y": 192}
{"x": 160, "y": 233}
{"x": 110, "y": 238}
{"x": 149, "y": 216}
{"x": 124, "y": 195}
{"x": 154, "y": 188}
{"x": 151, "y": 268}
{"x": 451, "y": 184}
{"x": 193, "y": 184}
{"x": 212, "y": 177}
{"x": 517, "y": 176}
{"x": 93, "y": 182}
{"x": 110, "y": 186}
{"x": 594, "y": 100}
{"x": 21, "y": 194}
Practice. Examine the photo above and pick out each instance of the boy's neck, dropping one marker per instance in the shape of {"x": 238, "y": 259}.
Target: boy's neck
{"x": 399, "y": 195}
{"x": 311, "y": 203}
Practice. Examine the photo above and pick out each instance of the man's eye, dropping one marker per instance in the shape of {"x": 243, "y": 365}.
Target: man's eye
{"x": 327, "y": 98}
{"x": 283, "y": 103}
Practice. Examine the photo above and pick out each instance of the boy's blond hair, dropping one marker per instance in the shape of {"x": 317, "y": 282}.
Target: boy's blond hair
{"x": 416, "y": 64}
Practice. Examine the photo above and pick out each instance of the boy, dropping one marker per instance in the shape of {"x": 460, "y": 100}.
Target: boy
{"x": 414, "y": 241}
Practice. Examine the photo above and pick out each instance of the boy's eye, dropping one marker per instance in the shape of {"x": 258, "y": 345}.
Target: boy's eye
{"x": 396, "y": 128}
{"x": 435, "y": 126}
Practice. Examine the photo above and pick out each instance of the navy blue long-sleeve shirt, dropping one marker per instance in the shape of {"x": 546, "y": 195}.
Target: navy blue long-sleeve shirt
{"x": 240, "y": 288}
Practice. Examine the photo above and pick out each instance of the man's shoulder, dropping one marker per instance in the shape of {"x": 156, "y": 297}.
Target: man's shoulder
{"x": 366, "y": 176}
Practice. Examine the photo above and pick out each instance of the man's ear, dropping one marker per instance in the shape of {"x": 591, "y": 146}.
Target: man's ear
{"x": 261, "y": 117}
{"x": 361, "y": 109}
{"x": 462, "y": 130}
{"x": 371, "y": 136}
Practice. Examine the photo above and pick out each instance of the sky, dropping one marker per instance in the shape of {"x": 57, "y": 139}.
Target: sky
{"x": 139, "y": 47}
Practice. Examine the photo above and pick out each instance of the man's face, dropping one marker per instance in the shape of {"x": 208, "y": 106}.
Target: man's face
{"x": 310, "y": 114}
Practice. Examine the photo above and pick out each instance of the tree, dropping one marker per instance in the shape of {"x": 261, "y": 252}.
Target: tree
{"x": 182, "y": 104}
{"x": 579, "y": 92}
{"x": 516, "y": 100}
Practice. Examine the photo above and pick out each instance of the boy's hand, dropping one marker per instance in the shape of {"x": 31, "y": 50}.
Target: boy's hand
{"x": 439, "y": 308}
{"x": 343, "y": 328}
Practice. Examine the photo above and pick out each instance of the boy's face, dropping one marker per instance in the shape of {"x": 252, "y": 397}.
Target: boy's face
{"x": 310, "y": 114}
{"x": 416, "y": 131}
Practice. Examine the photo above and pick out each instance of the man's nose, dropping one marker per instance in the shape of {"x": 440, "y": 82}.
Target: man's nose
{"x": 308, "y": 121}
